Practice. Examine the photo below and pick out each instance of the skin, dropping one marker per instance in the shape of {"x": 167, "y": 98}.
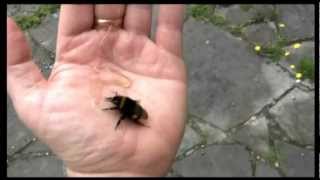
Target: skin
{"x": 93, "y": 62}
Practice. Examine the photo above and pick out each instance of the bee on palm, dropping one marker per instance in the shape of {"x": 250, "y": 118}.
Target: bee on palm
{"x": 128, "y": 108}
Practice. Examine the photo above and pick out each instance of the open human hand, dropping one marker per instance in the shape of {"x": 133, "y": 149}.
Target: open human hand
{"x": 93, "y": 62}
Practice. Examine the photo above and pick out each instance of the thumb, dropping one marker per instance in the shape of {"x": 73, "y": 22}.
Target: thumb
{"x": 24, "y": 78}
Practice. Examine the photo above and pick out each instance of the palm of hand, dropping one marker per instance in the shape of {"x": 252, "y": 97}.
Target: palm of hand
{"x": 95, "y": 65}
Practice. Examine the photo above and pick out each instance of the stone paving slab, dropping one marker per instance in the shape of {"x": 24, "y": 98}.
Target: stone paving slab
{"x": 295, "y": 115}
{"x": 296, "y": 161}
{"x": 42, "y": 56}
{"x": 46, "y": 33}
{"x": 236, "y": 15}
{"x": 262, "y": 34}
{"x": 218, "y": 161}
{"x": 38, "y": 146}
{"x": 18, "y": 136}
{"x": 264, "y": 170}
{"x": 227, "y": 81}
{"x": 213, "y": 135}
{"x": 190, "y": 139}
{"x": 299, "y": 20}
{"x": 36, "y": 167}
{"x": 200, "y": 134}
{"x": 16, "y": 130}
{"x": 241, "y": 14}
{"x": 255, "y": 134}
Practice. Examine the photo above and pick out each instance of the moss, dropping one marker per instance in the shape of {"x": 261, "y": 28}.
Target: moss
{"x": 218, "y": 20}
{"x": 207, "y": 13}
{"x": 201, "y": 12}
{"x": 274, "y": 52}
{"x": 274, "y": 15}
{"x": 235, "y": 30}
{"x": 259, "y": 18}
{"x": 204, "y": 138}
{"x": 282, "y": 41}
{"x": 26, "y": 22}
{"x": 306, "y": 67}
{"x": 272, "y": 157}
{"x": 246, "y": 7}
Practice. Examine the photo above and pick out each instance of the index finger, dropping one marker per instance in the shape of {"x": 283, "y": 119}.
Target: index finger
{"x": 75, "y": 19}
{"x": 169, "y": 28}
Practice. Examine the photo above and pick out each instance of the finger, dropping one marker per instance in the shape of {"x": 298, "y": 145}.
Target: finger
{"x": 169, "y": 28}
{"x": 138, "y": 19}
{"x": 75, "y": 19}
{"x": 23, "y": 74}
{"x": 110, "y": 12}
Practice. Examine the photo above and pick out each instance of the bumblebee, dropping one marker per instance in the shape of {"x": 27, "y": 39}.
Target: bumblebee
{"x": 128, "y": 108}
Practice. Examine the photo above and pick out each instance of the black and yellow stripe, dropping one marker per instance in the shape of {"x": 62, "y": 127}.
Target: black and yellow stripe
{"x": 122, "y": 101}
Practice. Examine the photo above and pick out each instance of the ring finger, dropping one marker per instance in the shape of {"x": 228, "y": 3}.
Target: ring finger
{"x": 109, "y": 13}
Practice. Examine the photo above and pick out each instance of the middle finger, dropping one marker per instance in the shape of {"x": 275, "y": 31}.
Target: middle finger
{"x": 138, "y": 19}
{"x": 114, "y": 12}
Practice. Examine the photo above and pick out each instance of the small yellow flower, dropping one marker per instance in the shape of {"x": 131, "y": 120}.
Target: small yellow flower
{"x": 297, "y": 45}
{"x": 298, "y": 75}
{"x": 292, "y": 66}
{"x": 257, "y": 48}
{"x": 287, "y": 53}
{"x": 282, "y": 25}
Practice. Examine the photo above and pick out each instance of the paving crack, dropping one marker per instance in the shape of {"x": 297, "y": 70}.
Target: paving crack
{"x": 285, "y": 93}
{"x": 12, "y": 156}
{"x": 263, "y": 110}
{"x": 253, "y": 161}
{"x": 204, "y": 121}
{"x": 305, "y": 88}
{"x": 276, "y": 19}
{"x": 299, "y": 40}
{"x": 240, "y": 125}
{"x": 27, "y": 142}
{"x": 200, "y": 147}
{"x": 204, "y": 135}
{"x": 282, "y": 135}
{"x": 272, "y": 160}
{"x": 302, "y": 84}
{"x": 29, "y": 156}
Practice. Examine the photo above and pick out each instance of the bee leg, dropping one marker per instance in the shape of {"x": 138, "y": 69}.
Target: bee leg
{"x": 108, "y": 98}
{"x": 115, "y": 92}
{"x": 112, "y": 108}
{"x": 143, "y": 124}
{"x": 118, "y": 123}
